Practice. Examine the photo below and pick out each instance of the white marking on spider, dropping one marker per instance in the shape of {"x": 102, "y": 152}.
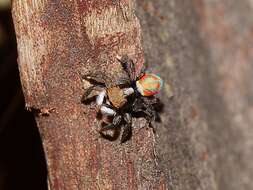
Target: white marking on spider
{"x": 128, "y": 91}
{"x": 100, "y": 97}
{"x": 107, "y": 111}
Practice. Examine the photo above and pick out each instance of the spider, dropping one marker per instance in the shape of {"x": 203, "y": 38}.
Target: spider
{"x": 126, "y": 96}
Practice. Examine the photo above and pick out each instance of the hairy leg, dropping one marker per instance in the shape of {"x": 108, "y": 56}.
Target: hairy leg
{"x": 107, "y": 111}
{"x": 97, "y": 77}
{"x": 150, "y": 100}
{"x": 128, "y": 66}
{"x": 100, "y": 98}
{"x": 127, "y": 129}
{"x": 138, "y": 105}
{"x": 146, "y": 107}
{"x": 128, "y": 91}
{"x": 150, "y": 115}
{"x": 89, "y": 92}
{"x": 115, "y": 123}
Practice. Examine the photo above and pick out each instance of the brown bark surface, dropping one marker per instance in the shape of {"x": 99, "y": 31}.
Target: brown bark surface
{"x": 57, "y": 42}
{"x": 202, "y": 48}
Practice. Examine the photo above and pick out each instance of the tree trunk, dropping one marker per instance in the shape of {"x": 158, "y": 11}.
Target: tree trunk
{"x": 57, "y": 42}
{"x": 202, "y": 48}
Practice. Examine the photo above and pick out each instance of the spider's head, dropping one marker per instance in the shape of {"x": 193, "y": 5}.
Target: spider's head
{"x": 149, "y": 84}
{"x": 116, "y": 97}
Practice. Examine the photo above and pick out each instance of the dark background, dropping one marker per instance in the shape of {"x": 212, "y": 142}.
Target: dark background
{"x": 22, "y": 162}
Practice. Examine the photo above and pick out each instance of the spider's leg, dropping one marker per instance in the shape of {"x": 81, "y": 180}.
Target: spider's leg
{"x": 149, "y": 101}
{"x": 144, "y": 107}
{"x": 100, "y": 97}
{"x": 128, "y": 91}
{"x": 88, "y": 92}
{"x": 153, "y": 106}
{"x": 150, "y": 116}
{"x": 127, "y": 130}
{"x": 97, "y": 77}
{"x": 148, "y": 113}
{"x": 144, "y": 103}
{"x": 137, "y": 109}
{"x": 123, "y": 81}
{"x": 138, "y": 105}
{"x": 141, "y": 73}
{"x": 105, "y": 110}
{"x": 128, "y": 66}
{"x": 115, "y": 123}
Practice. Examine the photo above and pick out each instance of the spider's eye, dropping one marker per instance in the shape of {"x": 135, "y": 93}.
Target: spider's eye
{"x": 149, "y": 84}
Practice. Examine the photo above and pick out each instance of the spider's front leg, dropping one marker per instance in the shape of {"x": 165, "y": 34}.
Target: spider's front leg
{"x": 96, "y": 77}
{"x": 88, "y": 93}
{"x": 115, "y": 123}
{"x": 98, "y": 84}
{"x": 128, "y": 66}
{"x": 127, "y": 129}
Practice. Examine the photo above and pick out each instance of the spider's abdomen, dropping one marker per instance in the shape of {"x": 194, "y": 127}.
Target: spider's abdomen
{"x": 116, "y": 97}
{"x": 149, "y": 84}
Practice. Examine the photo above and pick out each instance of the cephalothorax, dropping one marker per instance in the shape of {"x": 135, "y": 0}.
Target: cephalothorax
{"x": 125, "y": 96}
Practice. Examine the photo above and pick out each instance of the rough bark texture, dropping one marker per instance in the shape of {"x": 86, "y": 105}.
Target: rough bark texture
{"x": 57, "y": 42}
{"x": 202, "y": 48}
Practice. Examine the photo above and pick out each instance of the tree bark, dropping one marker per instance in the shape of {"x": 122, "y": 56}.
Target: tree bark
{"x": 201, "y": 48}
{"x": 57, "y": 42}
{"x": 204, "y": 48}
